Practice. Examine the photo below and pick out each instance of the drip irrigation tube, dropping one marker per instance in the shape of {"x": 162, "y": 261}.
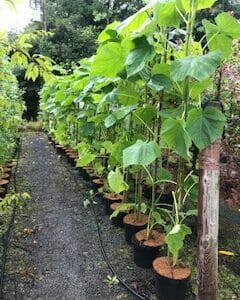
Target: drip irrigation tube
{"x": 106, "y": 259}
{"x": 6, "y": 238}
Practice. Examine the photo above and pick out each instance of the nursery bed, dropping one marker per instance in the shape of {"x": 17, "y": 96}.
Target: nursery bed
{"x": 55, "y": 253}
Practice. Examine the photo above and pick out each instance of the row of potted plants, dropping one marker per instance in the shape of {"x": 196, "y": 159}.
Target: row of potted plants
{"x": 139, "y": 229}
{"x": 135, "y": 116}
{"x": 11, "y": 109}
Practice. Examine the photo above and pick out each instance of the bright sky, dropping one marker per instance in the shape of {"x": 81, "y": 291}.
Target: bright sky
{"x": 15, "y": 19}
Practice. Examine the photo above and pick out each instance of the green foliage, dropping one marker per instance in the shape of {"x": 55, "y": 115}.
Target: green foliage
{"x": 199, "y": 67}
{"x": 141, "y": 153}
{"x": 175, "y": 238}
{"x": 116, "y": 181}
{"x": 205, "y": 126}
{"x": 175, "y": 136}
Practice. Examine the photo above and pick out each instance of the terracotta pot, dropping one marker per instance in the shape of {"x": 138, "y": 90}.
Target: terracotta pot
{"x": 146, "y": 250}
{"x": 110, "y": 199}
{"x": 171, "y": 282}
{"x": 132, "y": 225}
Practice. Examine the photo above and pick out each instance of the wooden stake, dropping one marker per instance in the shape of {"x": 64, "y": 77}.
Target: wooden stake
{"x": 208, "y": 212}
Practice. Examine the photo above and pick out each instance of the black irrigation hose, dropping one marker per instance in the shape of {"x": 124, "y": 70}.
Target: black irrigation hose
{"x": 7, "y": 235}
{"x": 131, "y": 290}
{"x": 106, "y": 259}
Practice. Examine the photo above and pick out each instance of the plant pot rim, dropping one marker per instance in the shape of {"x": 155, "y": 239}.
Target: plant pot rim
{"x": 113, "y": 197}
{"x": 99, "y": 181}
{"x": 3, "y": 181}
{"x": 130, "y": 219}
{"x": 157, "y": 240}
{"x": 162, "y": 268}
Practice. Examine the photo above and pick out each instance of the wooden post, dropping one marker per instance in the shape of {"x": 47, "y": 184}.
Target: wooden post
{"x": 208, "y": 212}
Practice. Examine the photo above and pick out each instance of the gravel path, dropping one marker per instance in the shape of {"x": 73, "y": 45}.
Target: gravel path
{"x": 67, "y": 261}
{"x": 56, "y": 253}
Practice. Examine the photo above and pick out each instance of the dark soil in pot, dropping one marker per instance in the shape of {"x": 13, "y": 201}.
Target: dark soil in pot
{"x": 109, "y": 199}
{"x": 171, "y": 282}
{"x": 118, "y": 220}
{"x": 98, "y": 183}
{"x": 132, "y": 225}
{"x": 146, "y": 250}
{"x": 60, "y": 149}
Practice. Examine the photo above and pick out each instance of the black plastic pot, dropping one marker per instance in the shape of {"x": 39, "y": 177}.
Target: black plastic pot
{"x": 170, "y": 289}
{"x": 86, "y": 176}
{"x": 97, "y": 185}
{"x": 107, "y": 204}
{"x": 166, "y": 199}
{"x": 143, "y": 255}
{"x": 3, "y": 193}
{"x": 118, "y": 220}
{"x": 130, "y": 230}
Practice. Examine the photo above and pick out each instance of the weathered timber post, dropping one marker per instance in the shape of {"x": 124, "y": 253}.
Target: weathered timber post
{"x": 208, "y": 216}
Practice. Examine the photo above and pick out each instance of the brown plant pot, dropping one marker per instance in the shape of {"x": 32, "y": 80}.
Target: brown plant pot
{"x": 110, "y": 199}
{"x": 7, "y": 170}
{"x": 171, "y": 282}
{"x": 118, "y": 220}
{"x": 4, "y": 183}
{"x": 146, "y": 249}
{"x": 98, "y": 183}
{"x": 132, "y": 225}
{"x": 4, "y": 176}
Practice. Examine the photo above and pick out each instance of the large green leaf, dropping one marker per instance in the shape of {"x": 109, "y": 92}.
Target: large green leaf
{"x": 228, "y": 25}
{"x": 166, "y": 13}
{"x": 139, "y": 56}
{"x": 134, "y": 22}
{"x": 116, "y": 181}
{"x": 199, "y": 86}
{"x": 109, "y": 32}
{"x": 175, "y": 136}
{"x": 205, "y": 126}
{"x": 159, "y": 82}
{"x": 118, "y": 115}
{"x": 109, "y": 60}
{"x": 175, "y": 238}
{"x": 199, "y": 67}
{"x": 85, "y": 159}
{"x": 221, "y": 35}
{"x": 145, "y": 114}
{"x": 127, "y": 94}
{"x": 116, "y": 156}
{"x": 141, "y": 153}
{"x": 200, "y": 4}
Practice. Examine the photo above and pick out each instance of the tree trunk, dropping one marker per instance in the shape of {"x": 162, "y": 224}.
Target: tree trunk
{"x": 208, "y": 211}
